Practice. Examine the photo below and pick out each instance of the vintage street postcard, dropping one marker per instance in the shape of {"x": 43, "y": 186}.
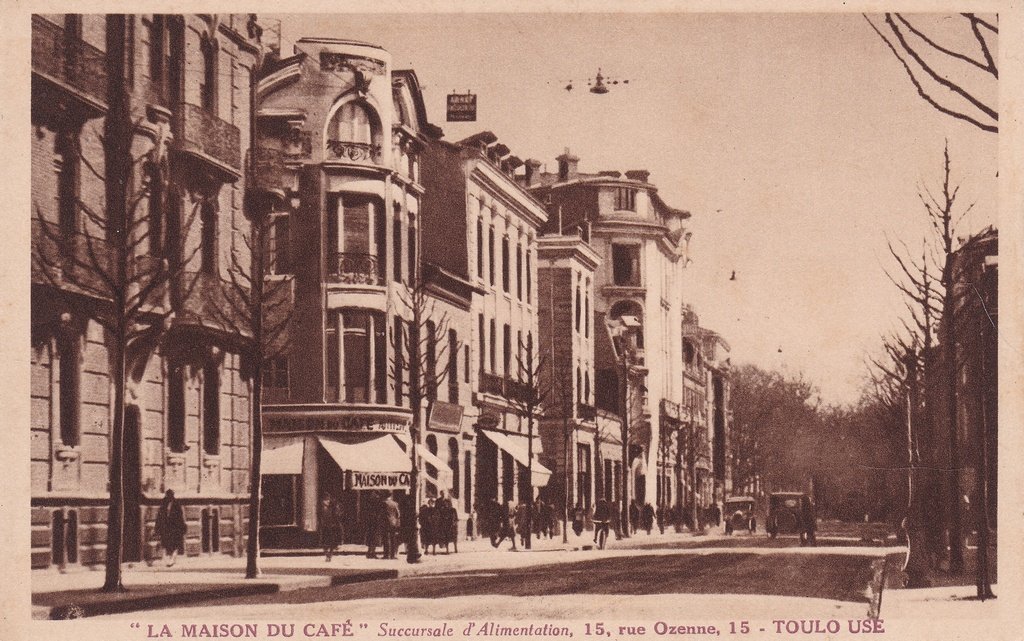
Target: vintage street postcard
{"x": 480, "y": 321}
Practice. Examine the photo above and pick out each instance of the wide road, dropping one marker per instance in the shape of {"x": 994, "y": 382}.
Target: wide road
{"x": 763, "y": 574}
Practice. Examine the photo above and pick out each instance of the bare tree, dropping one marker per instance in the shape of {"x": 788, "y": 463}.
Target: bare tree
{"x": 418, "y": 349}
{"x": 930, "y": 367}
{"x": 925, "y": 60}
{"x": 528, "y": 395}
{"x": 105, "y": 271}
{"x": 258, "y": 311}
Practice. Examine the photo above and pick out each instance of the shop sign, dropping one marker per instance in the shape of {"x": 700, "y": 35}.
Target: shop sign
{"x": 462, "y": 107}
{"x": 445, "y": 417}
{"x": 378, "y": 480}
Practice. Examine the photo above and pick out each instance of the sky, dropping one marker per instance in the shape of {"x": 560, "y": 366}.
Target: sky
{"x": 795, "y": 140}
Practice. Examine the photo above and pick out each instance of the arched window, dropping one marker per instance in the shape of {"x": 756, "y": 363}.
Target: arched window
{"x": 453, "y": 465}
{"x": 586, "y": 387}
{"x": 208, "y": 88}
{"x": 352, "y": 124}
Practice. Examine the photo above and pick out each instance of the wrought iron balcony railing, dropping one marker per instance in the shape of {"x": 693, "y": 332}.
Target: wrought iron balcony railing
{"x": 355, "y": 269}
{"x": 354, "y": 151}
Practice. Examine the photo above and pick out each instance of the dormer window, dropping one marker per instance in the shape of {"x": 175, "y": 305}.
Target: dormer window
{"x": 625, "y": 199}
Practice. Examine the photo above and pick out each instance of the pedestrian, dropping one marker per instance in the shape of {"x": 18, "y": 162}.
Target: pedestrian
{"x": 504, "y": 525}
{"x": 329, "y": 520}
{"x": 392, "y": 524}
{"x": 648, "y": 517}
{"x": 371, "y": 523}
{"x": 634, "y": 516}
{"x": 448, "y": 518}
{"x": 547, "y": 516}
{"x": 716, "y": 514}
{"x": 659, "y": 515}
{"x": 577, "y": 519}
{"x": 170, "y": 527}
{"x": 521, "y": 522}
{"x": 428, "y": 526}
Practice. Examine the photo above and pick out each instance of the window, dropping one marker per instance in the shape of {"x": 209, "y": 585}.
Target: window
{"x": 583, "y": 474}
{"x": 453, "y": 464}
{"x": 453, "y": 368}
{"x": 413, "y": 258}
{"x": 332, "y": 347}
{"x": 208, "y": 224}
{"x": 626, "y": 265}
{"x": 211, "y": 408}
{"x": 586, "y": 387}
{"x": 275, "y": 373}
{"x": 431, "y": 372}
{"x": 352, "y": 124}
{"x": 579, "y": 385}
{"x": 399, "y": 374}
{"x": 519, "y": 271}
{"x": 364, "y": 356}
{"x": 529, "y": 279}
{"x": 208, "y": 87}
{"x": 157, "y": 46}
{"x": 492, "y": 346}
{"x": 465, "y": 350}
{"x": 586, "y": 312}
{"x": 280, "y": 244}
{"x": 505, "y": 264}
{"x": 507, "y": 349}
{"x": 280, "y": 499}
{"x": 625, "y": 199}
{"x": 176, "y": 408}
{"x": 490, "y": 255}
{"x": 521, "y": 371}
{"x": 579, "y": 308}
{"x": 396, "y": 241}
{"x": 480, "y": 248}
{"x": 66, "y": 146}
{"x": 482, "y": 342}
{"x": 156, "y": 209}
{"x": 69, "y": 352}
{"x": 166, "y": 57}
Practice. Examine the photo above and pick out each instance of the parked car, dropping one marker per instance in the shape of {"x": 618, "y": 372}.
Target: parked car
{"x": 791, "y": 513}
{"x": 739, "y": 514}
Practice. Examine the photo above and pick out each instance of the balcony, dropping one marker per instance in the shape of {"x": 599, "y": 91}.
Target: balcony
{"x": 206, "y": 304}
{"x": 360, "y": 152}
{"x": 266, "y": 170}
{"x": 505, "y": 387}
{"x": 586, "y": 412}
{"x": 67, "y": 62}
{"x": 350, "y": 268}
{"x": 207, "y": 138}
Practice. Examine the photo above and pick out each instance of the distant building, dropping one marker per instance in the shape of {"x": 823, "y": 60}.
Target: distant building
{"x": 642, "y": 244}
{"x": 187, "y": 424}
{"x": 480, "y": 228}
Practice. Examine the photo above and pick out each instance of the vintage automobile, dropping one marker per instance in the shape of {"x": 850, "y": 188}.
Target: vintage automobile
{"x": 739, "y": 514}
{"x": 791, "y": 513}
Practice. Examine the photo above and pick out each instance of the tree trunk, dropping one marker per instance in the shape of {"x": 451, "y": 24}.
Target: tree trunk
{"x": 625, "y": 448}
{"x": 949, "y": 362}
{"x": 252, "y": 548}
{"x": 115, "y": 513}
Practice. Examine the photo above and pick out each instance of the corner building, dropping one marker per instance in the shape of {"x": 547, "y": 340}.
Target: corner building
{"x": 345, "y": 133}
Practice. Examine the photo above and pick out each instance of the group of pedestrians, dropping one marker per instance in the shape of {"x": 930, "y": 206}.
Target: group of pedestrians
{"x": 516, "y": 521}
{"x": 439, "y": 525}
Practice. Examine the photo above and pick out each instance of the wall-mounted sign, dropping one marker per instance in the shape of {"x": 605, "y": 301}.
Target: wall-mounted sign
{"x": 445, "y": 417}
{"x": 378, "y": 480}
{"x": 462, "y": 107}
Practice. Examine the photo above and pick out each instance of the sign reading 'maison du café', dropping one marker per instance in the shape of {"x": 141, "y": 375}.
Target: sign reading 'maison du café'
{"x": 377, "y": 480}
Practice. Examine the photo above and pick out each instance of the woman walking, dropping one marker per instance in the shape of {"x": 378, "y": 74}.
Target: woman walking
{"x": 330, "y": 525}
{"x": 170, "y": 527}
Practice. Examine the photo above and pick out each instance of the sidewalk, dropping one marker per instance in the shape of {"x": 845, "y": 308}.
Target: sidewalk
{"x": 75, "y": 592}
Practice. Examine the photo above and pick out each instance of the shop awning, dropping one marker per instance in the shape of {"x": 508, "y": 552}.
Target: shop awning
{"x": 518, "y": 448}
{"x": 443, "y": 477}
{"x": 379, "y": 454}
{"x": 286, "y": 459}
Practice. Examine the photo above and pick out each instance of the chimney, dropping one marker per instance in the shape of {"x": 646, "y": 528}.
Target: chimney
{"x": 532, "y": 172}
{"x": 639, "y": 175}
{"x": 567, "y": 166}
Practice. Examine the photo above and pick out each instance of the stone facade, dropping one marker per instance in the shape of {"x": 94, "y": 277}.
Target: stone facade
{"x": 191, "y": 435}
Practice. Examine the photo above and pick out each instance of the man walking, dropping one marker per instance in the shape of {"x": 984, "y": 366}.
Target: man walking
{"x": 392, "y": 523}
